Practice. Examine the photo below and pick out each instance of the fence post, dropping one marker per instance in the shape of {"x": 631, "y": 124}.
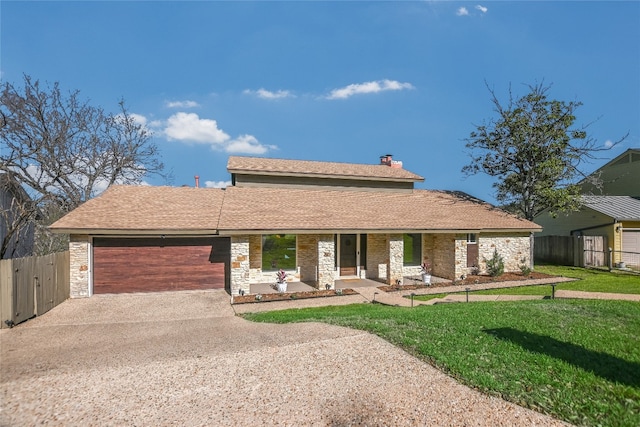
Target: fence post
{"x": 610, "y": 259}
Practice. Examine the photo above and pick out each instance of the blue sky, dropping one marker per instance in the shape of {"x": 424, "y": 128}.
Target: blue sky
{"x": 334, "y": 81}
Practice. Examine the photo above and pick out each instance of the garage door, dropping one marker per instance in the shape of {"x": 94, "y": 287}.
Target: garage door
{"x": 157, "y": 264}
{"x": 631, "y": 247}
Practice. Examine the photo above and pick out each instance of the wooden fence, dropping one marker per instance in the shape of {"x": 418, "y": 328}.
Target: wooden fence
{"x": 32, "y": 286}
{"x": 583, "y": 251}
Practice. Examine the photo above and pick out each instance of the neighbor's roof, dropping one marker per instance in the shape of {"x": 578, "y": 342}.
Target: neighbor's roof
{"x": 256, "y": 209}
{"x": 622, "y": 208}
{"x": 282, "y": 167}
{"x": 129, "y": 208}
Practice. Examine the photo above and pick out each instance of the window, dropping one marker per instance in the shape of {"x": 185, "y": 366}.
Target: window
{"x": 412, "y": 249}
{"x": 472, "y": 238}
{"x": 278, "y": 252}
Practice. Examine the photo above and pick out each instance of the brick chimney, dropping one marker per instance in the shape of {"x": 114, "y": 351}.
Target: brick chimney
{"x": 387, "y": 160}
{"x": 197, "y": 181}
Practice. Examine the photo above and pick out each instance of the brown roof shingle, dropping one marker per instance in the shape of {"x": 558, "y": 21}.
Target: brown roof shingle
{"x": 300, "y": 209}
{"x": 137, "y": 209}
{"x": 265, "y": 166}
{"x": 130, "y": 208}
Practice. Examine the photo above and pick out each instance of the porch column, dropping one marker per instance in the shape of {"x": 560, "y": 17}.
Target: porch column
{"x": 80, "y": 273}
{"x": 326, "y": 261}
{"x": 239, "y": 265}
{"x": 396, "y": 258}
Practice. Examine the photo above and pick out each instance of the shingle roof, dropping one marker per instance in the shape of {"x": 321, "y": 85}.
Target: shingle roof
{"x": 265, "y": 166}
{"x": 299, "y": 209}
{"x": 622, "y": 208}
{"x": 137, "y": 209}
{"x": 126, "y": 207}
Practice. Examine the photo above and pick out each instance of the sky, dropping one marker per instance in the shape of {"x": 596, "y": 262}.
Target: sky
{"x": 331, "y": 81}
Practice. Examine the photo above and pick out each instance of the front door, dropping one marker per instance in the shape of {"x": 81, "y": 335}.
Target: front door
{"x": 348, "y": 247}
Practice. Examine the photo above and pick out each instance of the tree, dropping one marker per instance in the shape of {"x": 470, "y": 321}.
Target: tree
{"x": 63, "y": 151}
{"x": 535, "y": 152}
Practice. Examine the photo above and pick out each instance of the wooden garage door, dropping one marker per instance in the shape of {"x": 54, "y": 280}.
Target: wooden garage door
{"x": 156, "y": 264}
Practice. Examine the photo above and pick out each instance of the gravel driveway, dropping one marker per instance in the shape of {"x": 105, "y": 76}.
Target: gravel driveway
{"x": 183, "y": 358}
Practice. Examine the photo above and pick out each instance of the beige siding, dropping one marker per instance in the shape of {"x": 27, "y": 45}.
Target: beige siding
{"x": 563, "y": 224}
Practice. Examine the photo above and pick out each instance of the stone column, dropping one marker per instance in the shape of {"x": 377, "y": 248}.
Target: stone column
{"x": 326, "y": 261}
{"x": 240, "y": 265}
{"x": 396, "y": 258}
{"x": 80, "y": 272}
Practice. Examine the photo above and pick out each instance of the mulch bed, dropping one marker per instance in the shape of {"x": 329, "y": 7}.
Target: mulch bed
{"x": 245, "y": 299}
{"x": 469, "y": 280}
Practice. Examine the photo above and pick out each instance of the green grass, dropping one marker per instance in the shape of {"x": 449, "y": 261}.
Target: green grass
{"x": 591, "y": 280}
{"x": 577, "y": 360}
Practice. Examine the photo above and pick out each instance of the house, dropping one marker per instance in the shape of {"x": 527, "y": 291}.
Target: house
{"x": 619, "y": 177}
{"x": 17, "y": 219}
{"x": 319, "y": 221}
{"x": 610, "y": 210}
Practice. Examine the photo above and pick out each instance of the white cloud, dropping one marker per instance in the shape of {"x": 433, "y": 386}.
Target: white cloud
{"x": 462, "y": 11}
{"x": 266, "y": 94}
{"x": 482, "y": 9}
{"x": 217, "y": 184}
{"x": 190, "y": 127}
{"x": 368, "y": 87}
{"x": 608, "y": 143}
{"x": 247, "y": 144}
{"x": 181, "y": 104}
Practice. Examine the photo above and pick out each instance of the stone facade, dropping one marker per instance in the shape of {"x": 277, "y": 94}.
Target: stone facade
{"x": 80, "y": 273}
{"x": 377, "y": 256}
{"x": 443, "y": 255}
{"x": 240, "y": 277}
{"x": 396, "y": 258}
{"x": 326, "y": 251}
{"x": 515, "y": 250}
{"x": 307, "y": 257}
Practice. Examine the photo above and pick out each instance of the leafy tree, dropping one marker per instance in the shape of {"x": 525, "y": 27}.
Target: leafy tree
{"x": 63, "y": 151}
{"x": 534, "y": 150}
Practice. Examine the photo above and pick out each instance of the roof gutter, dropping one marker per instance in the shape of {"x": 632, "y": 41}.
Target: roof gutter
{"x": 615, "y": 221}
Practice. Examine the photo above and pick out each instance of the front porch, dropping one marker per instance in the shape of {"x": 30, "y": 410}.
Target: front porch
{"x": 341, "y": 261}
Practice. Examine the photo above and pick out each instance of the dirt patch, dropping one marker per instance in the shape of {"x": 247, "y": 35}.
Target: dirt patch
{"x": 246, "y": 299}
{"x": 468, "y": 280}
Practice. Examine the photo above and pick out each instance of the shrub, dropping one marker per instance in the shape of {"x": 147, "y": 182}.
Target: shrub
{"x": 495, "y": 265}
{"x": 524, "y": 267}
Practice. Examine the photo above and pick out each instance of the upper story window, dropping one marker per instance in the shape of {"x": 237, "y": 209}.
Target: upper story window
{"x": 472, "y": 238}
{"x": 412, "y": 249}
{"x": 278, "y": 252}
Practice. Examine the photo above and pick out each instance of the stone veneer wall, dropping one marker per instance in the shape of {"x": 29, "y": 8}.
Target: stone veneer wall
{"x": 514, "y": 248}
{"x": 443, "y": 258}
{"x": 326, "y": 250}
{"x": 377, "y": 256}
{"x": 79, "y": 248}
{"x": 240, "y": 277}
{"x": 307, "y": 254}
{"x": 396, "y": 258}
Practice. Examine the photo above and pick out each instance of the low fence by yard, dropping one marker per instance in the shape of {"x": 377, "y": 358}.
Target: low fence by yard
{"x": 31, "y": 286}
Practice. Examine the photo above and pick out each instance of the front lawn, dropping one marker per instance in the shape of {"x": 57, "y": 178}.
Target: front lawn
{"x": 591, "y": 280}
{"x": 576, "y": 360}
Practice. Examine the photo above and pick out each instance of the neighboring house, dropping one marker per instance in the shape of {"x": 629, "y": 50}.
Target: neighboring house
{"x": 619, "y": 177}
{"x": 17, "y": 223}
{"x": 319, "y": 221}
{"x": 615, "y": 217}
{"x": 610, "y": 209}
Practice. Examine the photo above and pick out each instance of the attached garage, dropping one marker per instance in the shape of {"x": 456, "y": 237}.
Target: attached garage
{"x": 156, "y": 264}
